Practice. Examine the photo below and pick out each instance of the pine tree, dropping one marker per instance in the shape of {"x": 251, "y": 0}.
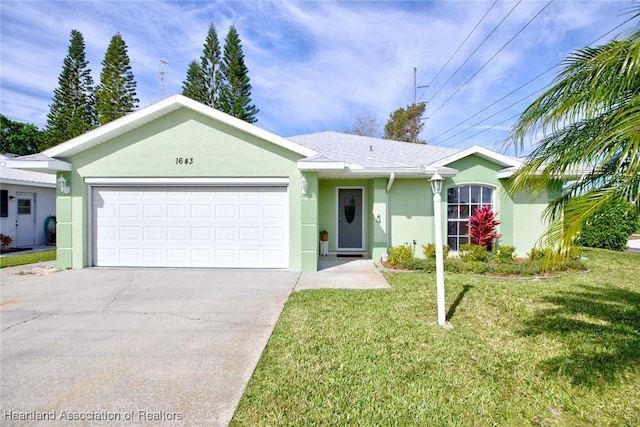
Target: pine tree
{"x": 72, "y": 112}
{"x": 116, "y": 94}
{"x": 209, "y": 63}
{"x": 235, "y": 89}
{"x": 405, "y": 124}
{"x": 193, "y": 86}
{"x": 202, "y": 80}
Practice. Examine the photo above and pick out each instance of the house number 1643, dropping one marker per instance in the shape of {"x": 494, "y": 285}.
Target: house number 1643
{"x": 184, "y": 160}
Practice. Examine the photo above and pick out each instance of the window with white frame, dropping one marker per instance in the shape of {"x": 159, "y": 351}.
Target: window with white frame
{"x": 462, "y": 202}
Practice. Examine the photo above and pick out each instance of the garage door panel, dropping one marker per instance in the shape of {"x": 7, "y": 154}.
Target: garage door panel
{"x": 199, "y": 227}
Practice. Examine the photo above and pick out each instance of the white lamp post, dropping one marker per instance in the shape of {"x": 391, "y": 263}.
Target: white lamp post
{"x": 436, "y": 186}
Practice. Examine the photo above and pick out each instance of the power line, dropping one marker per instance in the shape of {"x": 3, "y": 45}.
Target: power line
{"x": 494, "y": 103}
{"x": 484, "y": 130}
{"x": 515, "y": 90}
{"x": 460, "y": 47}
{"x": 476, "y": 50}
{"x": 490, "y": 59}
{"x": 487, "y": 118}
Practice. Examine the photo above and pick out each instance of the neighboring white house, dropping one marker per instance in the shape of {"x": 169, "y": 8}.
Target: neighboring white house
{"x": 27, "y": 199}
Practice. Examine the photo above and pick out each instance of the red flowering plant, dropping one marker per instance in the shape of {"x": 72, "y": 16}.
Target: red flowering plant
{"x": 5, "y": 240}
{"x": 482, "y": 227}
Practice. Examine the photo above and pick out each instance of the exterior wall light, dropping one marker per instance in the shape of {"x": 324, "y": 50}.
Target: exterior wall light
{"x": 62, "y": 185}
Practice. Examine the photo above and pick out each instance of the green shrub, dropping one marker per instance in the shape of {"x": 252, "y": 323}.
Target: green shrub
{"x": 504, "y": 254}
{"x": 538, "y": 254}
{"x": 471, "y": 252}
{"x": 426, "y": 265}
{"x": 429, "y": 251}
{"x": 610, "y": 226}
{"x": 479, "y": 267}
{"x": 398, "y": 255}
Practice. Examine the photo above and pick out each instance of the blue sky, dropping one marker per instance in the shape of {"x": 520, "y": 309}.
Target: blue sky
{"x": 316, "y": 66}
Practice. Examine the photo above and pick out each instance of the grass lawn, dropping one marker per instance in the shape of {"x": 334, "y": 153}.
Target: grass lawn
{"x": 559, "y": 352}
{"x": 30, "y": 258}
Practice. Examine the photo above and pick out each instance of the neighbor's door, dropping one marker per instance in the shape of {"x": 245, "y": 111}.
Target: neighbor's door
{"x": 25, "y": 219}
{"x": 350, "y": 219}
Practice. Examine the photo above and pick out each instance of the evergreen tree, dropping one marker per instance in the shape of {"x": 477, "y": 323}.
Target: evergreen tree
{"x": 193, "y": 86}
{"x": 209, "y": 63}
{"x": 202, "y": 80}
{"x": 235, "y": 89}
{"x": 405, "y": 124}
{"x": 116, "y": 94}
{"x": 72, "y": 112}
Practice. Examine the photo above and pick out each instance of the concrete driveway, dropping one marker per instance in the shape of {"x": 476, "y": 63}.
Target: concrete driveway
{"x": 133, "y": 346}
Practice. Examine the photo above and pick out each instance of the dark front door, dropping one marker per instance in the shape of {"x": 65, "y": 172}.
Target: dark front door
{"x": 350, "y": 219}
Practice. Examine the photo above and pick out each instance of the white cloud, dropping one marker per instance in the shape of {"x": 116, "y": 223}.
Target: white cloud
{"x": 313, "y": 65}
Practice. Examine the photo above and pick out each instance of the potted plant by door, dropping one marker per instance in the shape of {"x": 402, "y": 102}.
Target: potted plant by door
{"x": 324, "y": 236}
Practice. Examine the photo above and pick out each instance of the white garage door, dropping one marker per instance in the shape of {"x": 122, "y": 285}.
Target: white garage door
{"x": 234, "y": 227}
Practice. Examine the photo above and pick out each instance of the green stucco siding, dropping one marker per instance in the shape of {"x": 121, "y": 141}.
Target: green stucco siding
{"x": 153, "y": 151}
{"x": 378, "y": 233}
{"x": 309, "y": 221}
{"x": 411, "y": 211}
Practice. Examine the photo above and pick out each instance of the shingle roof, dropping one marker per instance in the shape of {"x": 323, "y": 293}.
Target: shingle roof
{"x": 22, "y": 177}
{"x": 369, "y": 152}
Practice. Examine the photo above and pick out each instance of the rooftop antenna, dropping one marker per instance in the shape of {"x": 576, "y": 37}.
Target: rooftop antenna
{"x": 162, "y": 73}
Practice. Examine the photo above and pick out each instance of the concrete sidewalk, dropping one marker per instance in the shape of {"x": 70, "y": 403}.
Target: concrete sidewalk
{"x": 346, "y": 273}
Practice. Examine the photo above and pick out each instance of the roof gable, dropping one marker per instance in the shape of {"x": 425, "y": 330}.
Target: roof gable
{"x": 500, "y": 159}
{"x": 156, "y": 111}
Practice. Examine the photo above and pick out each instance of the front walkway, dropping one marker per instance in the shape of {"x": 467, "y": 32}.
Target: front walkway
{"x": 343, "y": 273}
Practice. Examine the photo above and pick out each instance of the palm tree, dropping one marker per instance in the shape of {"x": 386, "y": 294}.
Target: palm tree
{"x": 589, "y": 120}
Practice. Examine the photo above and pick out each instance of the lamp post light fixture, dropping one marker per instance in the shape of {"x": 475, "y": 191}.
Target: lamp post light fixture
{"x": 436, "y": 186}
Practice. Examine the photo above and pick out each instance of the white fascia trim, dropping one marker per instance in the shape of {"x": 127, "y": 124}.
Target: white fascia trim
{"x": 442, "y": 171}
{"x": 387, "y": 171}
{"x": 5, "y": 181}
{"x": 186, "y": 182}
{"x": 482, "y": 152}
{"x": 568, "y": 175}
{"x": 159, "y": 109}
{"x": 49, "y": 165}
{"x": 320, "y": 166}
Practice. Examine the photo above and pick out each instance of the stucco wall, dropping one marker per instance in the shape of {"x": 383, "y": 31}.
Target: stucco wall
{"x": 153, "y": 150}
{"x": 411, "y": 211}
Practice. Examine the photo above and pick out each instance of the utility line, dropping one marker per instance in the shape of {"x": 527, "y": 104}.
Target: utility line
{"x": 484, "y": 130}
{"x": 474, "y": 52}
{"x": 492, "y": 104}
{"x": 487, "y": 118}
{"x": 490, "y": 59}
{"x": 461, "y": 45}
{"x": 517, "y": 89}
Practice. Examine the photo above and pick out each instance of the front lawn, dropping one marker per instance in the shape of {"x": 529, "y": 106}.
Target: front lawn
{"x": 562, "y": 352}
{"x": 30, "y": 258}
